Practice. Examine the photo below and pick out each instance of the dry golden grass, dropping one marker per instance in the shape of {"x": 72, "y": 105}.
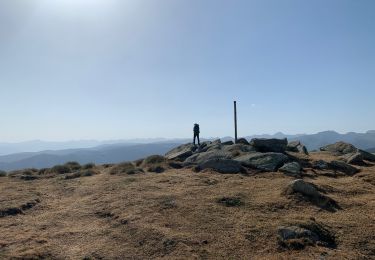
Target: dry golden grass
{"x": 179, "y": 214}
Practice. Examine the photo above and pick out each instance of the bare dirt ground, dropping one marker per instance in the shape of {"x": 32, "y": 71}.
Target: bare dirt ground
{"x": 178, "y": 214}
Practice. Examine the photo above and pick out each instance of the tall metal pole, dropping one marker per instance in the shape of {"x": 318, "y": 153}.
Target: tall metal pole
{"x": 235, "y": 122}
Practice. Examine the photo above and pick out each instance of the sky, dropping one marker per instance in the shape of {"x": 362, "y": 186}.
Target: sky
{"x": 121, "y": 69}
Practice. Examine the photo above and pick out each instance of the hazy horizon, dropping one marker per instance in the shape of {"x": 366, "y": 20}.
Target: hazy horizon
{"x": 112, "y": 69}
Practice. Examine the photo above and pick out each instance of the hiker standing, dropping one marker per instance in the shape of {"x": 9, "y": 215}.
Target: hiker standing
{"x": 196, "y": 133}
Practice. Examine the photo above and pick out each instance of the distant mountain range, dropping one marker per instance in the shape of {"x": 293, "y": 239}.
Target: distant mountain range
{"x": 99, "y": 155}
{"x": 39, "y": 154}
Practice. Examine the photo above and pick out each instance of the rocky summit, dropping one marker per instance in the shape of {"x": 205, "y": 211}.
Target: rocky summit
{"x": 256, "y": 199}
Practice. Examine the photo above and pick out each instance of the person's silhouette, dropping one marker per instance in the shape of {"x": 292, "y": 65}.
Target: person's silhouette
{"x": 196, "y": 133}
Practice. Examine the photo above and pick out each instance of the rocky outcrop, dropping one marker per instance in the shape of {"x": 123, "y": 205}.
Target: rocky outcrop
{"x": 263, "y": 161}
{"x": 300, "y": 235}
{"x": 269, "y": 145}
{"x": 181, "y": 152}
{"x": 304, "y": 188}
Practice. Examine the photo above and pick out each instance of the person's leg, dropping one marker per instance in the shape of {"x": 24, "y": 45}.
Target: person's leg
{"x": 199, "y": 143}
{"x": 194, "y": 138}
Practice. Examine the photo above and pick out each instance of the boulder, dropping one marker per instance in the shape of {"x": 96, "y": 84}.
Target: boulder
{"x": 339, "y": 148}
{"x": 181, "y": 152}
{"x": 200, "y": 158}
{"x": 353, "y": 158}
{"x": 293, "y": 168}
{"x": 343, "y": 167}
{"x": 240, "y": 148}
{"x": 367, "y": 156}
{"x": 242, "y": 141}
{"x": 297, "y": 147}
{"x": 320, "y": 165}
{"x": 263, "y": 161}
{"x": 227, "y": 143}
{"x": 304, "y": 188}
{"x": 222, "y": 165}
{"x": 269, "y": 145}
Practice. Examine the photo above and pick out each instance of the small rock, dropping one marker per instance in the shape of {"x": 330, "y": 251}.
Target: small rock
{"x": 293, "y": 168}
{"x": 305, "y": 188}
{"x": 181, "y": 152}
{"x": 295, "y": 232}
{"x": 320, "y": 165}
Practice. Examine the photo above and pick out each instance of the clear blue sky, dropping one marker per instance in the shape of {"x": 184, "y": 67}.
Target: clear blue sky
{"x": 92, "y": 69}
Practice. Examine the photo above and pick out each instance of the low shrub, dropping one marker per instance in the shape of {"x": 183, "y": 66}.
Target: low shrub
{"x": 230, "y": 201}
{"x": 74, "y": 166}
{"x": 60, "y": 169}
{"x": 156, "y": 169}
{"x": 153, "y": 159}
{"x": 88, "y": 166}
{"x": 3, "y": 173}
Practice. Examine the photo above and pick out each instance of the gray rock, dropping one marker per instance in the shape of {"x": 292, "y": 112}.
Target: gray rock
{"x": 320, "y": 165}
{"x": 353, "y": 158}
{"x": 339, "y": 148}
{"x": 227, "y": 143}
{"x": 200, "y": 158}
{"x": 343, "y": 167}
{"x": 263, "y": 161}
{"x": 269, "y": 145}
{"x": 305, "y": 188}
{"x": 242, "y": 141}
{"x": 181, "y": 152}
{"x": 293, "y": 168}
{"x": 297, "y": 147}
{"x": 217, "y": 141}
{"x": 222, "y": 165}
{"x": 295, "y": 232}
{"x": 240, "y": 148}
{"x": 367, "y": 156}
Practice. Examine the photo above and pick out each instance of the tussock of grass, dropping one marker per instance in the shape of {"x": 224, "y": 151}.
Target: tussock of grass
{"x": 125, "y": 168}
{"x": 82, "y": 173}
{"x": 153, "y": 159}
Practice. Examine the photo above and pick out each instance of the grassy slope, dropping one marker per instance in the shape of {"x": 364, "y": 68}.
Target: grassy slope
{"x": 176, "y": 215}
